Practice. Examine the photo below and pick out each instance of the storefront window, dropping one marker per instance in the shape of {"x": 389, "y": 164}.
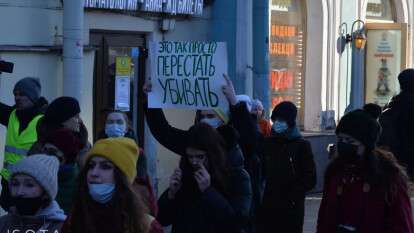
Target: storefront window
{"x": 287, "y": 52}
{"x": 380, "y": 10}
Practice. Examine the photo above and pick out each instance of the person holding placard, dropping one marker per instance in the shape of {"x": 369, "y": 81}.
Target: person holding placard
{"x": 176, "y": 140}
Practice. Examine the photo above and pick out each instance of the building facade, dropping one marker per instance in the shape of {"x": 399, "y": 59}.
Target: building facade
{"x": 277, "y": 50}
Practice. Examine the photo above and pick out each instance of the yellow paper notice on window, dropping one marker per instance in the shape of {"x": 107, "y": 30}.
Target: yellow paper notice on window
{"x": 123, "y": 66}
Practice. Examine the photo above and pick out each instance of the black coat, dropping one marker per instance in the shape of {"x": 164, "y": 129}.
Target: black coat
{"x": 405, "y": 128}
{"x": 176, "y": 140}
{"x": 241, "y": 130}
{"x": 212, "y": 211}
{"x": 289, "y": 171}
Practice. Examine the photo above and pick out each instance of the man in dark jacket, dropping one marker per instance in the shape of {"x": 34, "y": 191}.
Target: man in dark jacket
{"x": 289, "y": 172}
{"x": 21, "y": 121}
{"x": 403, "y": 107}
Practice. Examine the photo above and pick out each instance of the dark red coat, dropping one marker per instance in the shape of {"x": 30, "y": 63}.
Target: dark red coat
{"x": 347, "y": 199}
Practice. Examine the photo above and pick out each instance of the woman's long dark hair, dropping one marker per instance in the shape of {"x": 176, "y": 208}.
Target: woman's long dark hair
{"x": 204, "y": 137}
{"x": 379, "y": 169}
{"x": 126, "y": 208}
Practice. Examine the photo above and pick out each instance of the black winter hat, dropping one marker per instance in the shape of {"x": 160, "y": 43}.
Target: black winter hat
{"x": 406, "y": 79}
{"x": 286, "y": 111}
{"x": 373, "y": 110}
{"x": 61, "y": 110}
{"x": 361, "y": 126}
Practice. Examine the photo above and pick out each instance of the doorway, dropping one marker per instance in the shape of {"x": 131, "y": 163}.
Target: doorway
{"x": 110, "y": 46}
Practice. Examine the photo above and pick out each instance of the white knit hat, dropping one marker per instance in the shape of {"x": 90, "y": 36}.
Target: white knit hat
{"x": 43, "y": 168}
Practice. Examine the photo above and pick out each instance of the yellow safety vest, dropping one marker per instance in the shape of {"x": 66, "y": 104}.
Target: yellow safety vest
{"x": 17, "y": 145}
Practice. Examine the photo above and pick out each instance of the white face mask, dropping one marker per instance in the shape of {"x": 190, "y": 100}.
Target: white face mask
{"x": 101, "y": 193}
{"x": 213, "y": 122}
{"x": 115, "y": 130}
{"x": 280, "y": 126}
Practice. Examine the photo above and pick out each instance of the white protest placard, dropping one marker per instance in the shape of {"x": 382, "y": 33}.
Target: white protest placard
{"x": 188, "y": 75}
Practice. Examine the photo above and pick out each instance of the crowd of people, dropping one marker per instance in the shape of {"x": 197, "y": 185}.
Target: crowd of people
{"x": 238, "y": 171}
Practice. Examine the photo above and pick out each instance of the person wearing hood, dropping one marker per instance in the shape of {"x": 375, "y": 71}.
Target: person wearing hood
{"x": 258, "y": 111}
{"x": 365, "y": 189}
{"x": 63, "y": 112}
{"x": 238, "y": 131}
{"x": 399, "y": 137}
{"x": 118, "y": 125}
{"x": 21, "y": 121}
{"x": 289, "y": 172}
{"x": 33, "y": 188}
{"x": 104, "y": 201}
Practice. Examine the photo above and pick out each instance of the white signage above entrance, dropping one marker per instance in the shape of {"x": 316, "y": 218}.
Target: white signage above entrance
{"x": 188, "y": 7}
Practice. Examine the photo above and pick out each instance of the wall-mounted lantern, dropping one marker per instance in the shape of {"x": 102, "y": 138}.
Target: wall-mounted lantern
{"x": 358, "y": 36}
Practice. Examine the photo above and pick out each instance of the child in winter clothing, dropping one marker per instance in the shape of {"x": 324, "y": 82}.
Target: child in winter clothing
{"x": 33, "y": 188}
{"x": 365, "y": 188}
{"x": 104, "y": 202}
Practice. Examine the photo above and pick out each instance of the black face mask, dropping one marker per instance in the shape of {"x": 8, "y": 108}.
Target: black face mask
{"x": 28, "y": 206}
{"x": 346, "y": 149}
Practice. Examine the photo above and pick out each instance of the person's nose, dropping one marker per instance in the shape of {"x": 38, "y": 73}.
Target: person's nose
{"x": 94, "y": 172}
{"x": 19, "y": 190}
{"x": 193, "y": 161}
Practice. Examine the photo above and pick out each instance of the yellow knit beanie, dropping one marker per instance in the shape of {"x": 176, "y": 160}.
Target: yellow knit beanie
{"x": 224, "y": 115}
{"x": 123, "y": 152}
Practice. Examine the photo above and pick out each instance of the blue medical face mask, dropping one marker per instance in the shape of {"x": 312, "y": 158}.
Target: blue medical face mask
{"x": 115, "y": 130}
{"x": 280, "y": 126}
{"x": 101, "y": 193}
